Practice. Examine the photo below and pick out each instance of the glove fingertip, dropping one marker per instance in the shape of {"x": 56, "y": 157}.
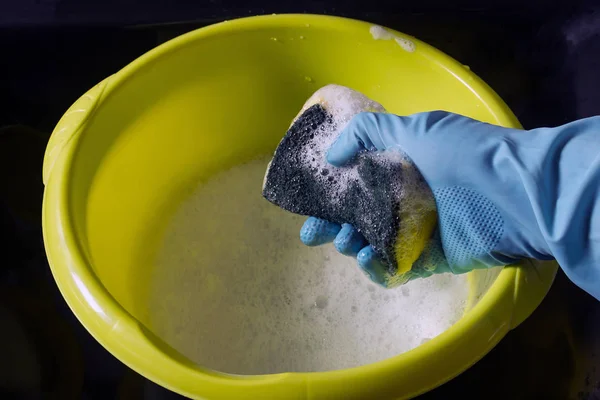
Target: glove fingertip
{"x": 349, "y": 241}
{"x": 316, "y": 231}
{"x": 365, "y": 257}
{"x": 370, "y": 264}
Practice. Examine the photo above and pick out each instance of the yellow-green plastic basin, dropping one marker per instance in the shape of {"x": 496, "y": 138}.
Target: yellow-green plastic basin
{"x": 127, "y": 152}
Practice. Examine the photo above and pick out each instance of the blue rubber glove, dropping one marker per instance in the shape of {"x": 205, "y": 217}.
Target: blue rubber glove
{"x": 502, "y": 194}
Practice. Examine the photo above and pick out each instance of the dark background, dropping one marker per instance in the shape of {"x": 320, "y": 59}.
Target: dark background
{"x": 542, "y": 58}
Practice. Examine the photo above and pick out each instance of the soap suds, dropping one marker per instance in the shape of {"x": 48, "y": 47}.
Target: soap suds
{"x": 405, "y": 44}
{"x": 236, "y": 291}
{"x": 342, "y": 104}
{"x": 380, "y": 33}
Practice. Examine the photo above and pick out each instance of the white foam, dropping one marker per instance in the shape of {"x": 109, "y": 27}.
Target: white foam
{"x": 406, "y": 44}
{"x": 342, "y": 102}
{"x": 380, "y": 33}
{"x": 235, "y": 290}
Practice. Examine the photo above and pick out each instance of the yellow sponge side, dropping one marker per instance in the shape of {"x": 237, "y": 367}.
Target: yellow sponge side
{"x": 412, "y": 239}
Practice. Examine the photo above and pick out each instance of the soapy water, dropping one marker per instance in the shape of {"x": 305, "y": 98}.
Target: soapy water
{"x": 235, "y": 290}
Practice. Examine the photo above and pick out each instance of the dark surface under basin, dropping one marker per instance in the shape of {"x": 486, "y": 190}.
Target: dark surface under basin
{"x": 543, "y": 60}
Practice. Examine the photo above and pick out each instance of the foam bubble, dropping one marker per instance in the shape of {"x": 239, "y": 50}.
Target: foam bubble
{"x": 236, "y": 291}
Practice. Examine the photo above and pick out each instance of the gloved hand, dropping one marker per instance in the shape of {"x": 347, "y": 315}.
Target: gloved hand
{"x": 501, "y": 194}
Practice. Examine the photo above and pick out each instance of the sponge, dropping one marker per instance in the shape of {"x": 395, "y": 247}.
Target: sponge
{"x": 381, "y": 194}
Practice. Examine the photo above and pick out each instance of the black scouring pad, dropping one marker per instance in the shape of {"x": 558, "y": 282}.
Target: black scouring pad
{"x": 380, "y": 193}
